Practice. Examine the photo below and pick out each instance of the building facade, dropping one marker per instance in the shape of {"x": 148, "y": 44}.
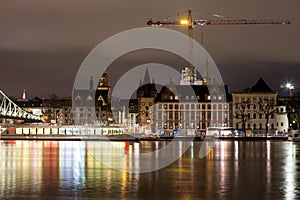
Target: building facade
{"x": 190, "y": 113}
{"x": 256, "y": 109}
{"x": 189, "y": 107}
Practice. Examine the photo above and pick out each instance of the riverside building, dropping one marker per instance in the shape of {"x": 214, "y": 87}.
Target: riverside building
{"x": 188, "y": 108}
{"x": 258, "y": 106}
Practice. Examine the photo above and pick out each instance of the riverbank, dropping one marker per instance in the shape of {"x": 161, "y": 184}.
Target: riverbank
{"x": 127, "y": 137}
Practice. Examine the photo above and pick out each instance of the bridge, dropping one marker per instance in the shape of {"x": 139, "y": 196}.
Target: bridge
{"x": 8, "y": 109}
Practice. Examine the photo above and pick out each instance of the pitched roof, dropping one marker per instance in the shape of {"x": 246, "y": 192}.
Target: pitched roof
{"x": 261, "y": 86}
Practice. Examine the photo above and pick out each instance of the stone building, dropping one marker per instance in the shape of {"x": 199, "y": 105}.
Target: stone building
{"x": 256, "y": 109}
{"x": 188, "y": 108}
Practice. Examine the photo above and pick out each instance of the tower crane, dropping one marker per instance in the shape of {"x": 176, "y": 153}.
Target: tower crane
{"x": 190, "y": 23}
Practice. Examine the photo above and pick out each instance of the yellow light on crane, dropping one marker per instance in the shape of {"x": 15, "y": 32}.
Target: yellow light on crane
{"x": 184, "y": 22}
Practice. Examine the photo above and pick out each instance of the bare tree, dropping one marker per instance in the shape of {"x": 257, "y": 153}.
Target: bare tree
{"x": 241, "y": 112}
{"x": 267, "y": 108}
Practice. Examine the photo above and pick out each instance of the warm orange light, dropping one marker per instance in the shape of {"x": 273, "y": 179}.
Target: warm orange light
{"x": 184, "y": 22}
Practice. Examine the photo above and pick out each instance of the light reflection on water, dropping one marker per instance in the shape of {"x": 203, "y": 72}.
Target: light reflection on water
{"x": 70, "y": 170}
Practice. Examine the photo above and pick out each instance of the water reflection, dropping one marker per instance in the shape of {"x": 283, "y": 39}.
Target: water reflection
{"x": 231, "y": 170}
{"x": 290, "y": 173}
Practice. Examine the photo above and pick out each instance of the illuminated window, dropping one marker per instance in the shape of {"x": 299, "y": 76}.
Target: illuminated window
{"x": 165, "y": 125}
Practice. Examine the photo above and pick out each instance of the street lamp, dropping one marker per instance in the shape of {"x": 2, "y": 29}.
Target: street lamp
{"x": 290, "y": 87}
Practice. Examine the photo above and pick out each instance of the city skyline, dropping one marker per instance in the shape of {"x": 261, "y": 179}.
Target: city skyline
{"x": 42, "y": 45}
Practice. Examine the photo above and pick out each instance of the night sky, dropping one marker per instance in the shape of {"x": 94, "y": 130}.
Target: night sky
{"x": 43, "y": 43}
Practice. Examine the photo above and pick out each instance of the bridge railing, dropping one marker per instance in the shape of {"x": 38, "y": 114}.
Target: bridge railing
{"x": 10, "y": 109}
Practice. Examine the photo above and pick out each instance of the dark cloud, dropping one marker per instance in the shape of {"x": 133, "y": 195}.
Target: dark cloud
{"x": 42, "y": 43}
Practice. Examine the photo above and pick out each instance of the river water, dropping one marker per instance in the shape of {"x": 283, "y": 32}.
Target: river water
{"x": 78, "y": 170}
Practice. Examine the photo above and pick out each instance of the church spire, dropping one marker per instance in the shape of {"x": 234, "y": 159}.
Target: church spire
{"x": 91, "y": 83}
{"x": 147, "y": 79}
{"x": 24, "y": 95}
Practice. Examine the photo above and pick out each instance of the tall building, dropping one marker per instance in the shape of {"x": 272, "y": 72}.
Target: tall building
{"x": 189, "y": 76}
{"x": 146, "y": 94}
{"x": 103, "y": 101}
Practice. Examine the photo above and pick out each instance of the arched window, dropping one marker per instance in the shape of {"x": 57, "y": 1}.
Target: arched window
{"x": 254, "y": 115}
